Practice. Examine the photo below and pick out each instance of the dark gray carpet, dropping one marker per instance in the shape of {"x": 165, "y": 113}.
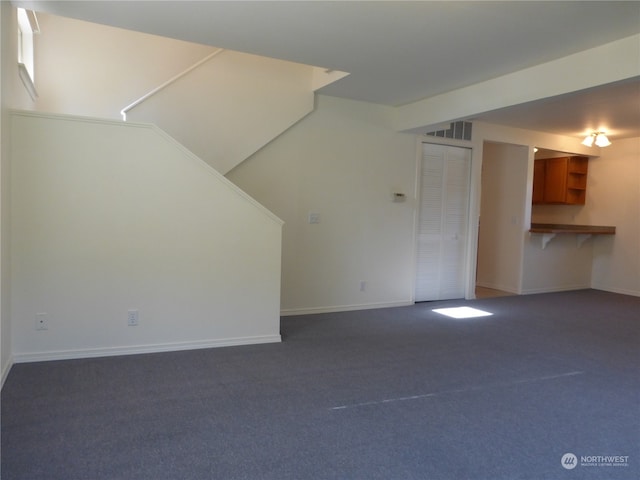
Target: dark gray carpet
{"x": 399, "y": 393}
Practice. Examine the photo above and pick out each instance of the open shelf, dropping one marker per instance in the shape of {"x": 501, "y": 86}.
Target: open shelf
{"x": 583, "y": 232}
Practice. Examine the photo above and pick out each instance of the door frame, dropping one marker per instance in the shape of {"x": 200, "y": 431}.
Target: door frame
{"x": 471, "y": 247}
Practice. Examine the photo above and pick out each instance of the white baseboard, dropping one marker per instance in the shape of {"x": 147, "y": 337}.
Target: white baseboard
{"x": 622, "y": 291}
{"x": 495, "y": 286}
{"x": 137, "y": 349}
{"x": 341, "y": 308}
{"x": 5, "y": 372}
{"x": 564, "y": 288}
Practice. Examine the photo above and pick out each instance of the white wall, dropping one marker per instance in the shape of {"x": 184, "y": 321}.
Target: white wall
{"x": 13, "y": 94}
{"x": 502, "y": 213}
{"x": 224, "y": 110}
{"x": 614, "y": 199}
{"x": 483, "y": 133}
{"x": 5, "y": 324}
{"x": 231, "y": 106}
{"x": 340, "y": 162}
{"x": 108, "y": 217}
{"x": 343, "y": 161}
{"x": 509, "y": 257}
{"x": 562, "y": 265}
{"x": 83, "y": 68}
{"x": 613, "y": 193}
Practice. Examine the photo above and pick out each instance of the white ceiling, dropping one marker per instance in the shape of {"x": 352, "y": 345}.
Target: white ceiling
{"x": 614, "y": 108}
{"x": 398, "y": 52}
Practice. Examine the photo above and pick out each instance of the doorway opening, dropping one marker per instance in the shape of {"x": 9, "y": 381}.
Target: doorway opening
{"x": 501, "y": 229}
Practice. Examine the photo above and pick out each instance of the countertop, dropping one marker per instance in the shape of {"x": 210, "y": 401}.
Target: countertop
{"x": 581, "y": 229}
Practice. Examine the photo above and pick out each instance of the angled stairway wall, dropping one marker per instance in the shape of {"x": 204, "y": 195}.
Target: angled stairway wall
{"x": 232, "y": 105}
{"x": 108, "y": 217}
{"x": 226, "y": 108}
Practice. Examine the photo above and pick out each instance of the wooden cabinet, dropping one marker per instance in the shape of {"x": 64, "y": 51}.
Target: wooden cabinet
{"x": 561, "y": 180}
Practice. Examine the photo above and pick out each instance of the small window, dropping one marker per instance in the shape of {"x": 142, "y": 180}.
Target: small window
{"x": 27, "y": 27}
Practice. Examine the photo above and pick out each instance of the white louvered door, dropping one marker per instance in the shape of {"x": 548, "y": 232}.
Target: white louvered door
{"x": 443, "y": 220}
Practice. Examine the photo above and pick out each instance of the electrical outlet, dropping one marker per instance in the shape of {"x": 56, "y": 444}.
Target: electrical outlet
{"x": 42, "y": 322}
{"x": 133, "y": 318}
{"x": 363, "y": 286}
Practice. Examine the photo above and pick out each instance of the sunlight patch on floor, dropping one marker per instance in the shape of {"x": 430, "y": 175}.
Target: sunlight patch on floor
{"x": 462, "y": 312}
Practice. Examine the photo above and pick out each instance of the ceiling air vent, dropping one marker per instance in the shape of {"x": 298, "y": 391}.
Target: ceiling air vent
{"x": 456, "y": 130}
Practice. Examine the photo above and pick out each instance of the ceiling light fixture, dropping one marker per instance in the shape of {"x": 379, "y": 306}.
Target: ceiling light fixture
{"x": 599, "y": 138}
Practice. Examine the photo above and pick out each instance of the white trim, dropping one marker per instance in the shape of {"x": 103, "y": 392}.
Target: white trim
{"x": 27, "y": 81}
{"x": 137, "y": 102}
{"x": 185, "y": 151}
{"x": 471, "y": 243}
{"x": 493, "y": 286}
{"x": 5, "y": 372}
{"x": 33, "y": 21}
{"x": 342, "y": 308}
{"x": 417, "y": 190}
{"x": 471, "y": 249}
{"x": 139, "y": 349}
{"x": 219, "y": 176}
{"x": 564, "y": 288}
{"x": 621, "y": 291}
{"x": 475, "y": 194}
